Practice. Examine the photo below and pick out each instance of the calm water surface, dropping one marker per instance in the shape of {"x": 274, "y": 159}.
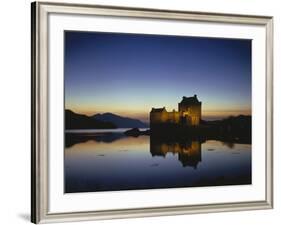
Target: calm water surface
{"x": 105, "y": 160}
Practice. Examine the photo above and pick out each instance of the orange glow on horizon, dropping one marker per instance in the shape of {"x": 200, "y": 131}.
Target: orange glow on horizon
{"x": 144, "y": 115}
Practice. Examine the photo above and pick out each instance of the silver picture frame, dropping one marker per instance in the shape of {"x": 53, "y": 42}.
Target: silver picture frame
{"x": 39, "y": 151}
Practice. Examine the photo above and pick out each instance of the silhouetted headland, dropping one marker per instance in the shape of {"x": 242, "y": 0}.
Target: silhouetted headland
{"x": 100, "y": 121}
{"x": 135, "y": 132}
{"x": 78, "y": 121}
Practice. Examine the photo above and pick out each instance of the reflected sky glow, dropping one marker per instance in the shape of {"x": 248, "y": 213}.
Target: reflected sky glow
{"x": 129, "y": 163}
{"x": 128, "y": 74}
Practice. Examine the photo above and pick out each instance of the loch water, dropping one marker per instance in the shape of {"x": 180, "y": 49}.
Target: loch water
{"x": 108, "y": 160}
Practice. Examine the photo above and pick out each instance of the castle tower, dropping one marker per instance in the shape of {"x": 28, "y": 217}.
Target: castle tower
{"x": 190, "y": 110}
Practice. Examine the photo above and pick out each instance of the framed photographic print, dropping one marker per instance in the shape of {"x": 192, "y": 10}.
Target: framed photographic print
{"x": 148, "y": 112}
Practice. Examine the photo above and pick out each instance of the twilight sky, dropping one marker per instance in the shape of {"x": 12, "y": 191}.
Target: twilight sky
{"x": 128, "y": 74}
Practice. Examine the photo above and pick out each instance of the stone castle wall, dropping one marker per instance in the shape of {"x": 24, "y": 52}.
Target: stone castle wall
{"x": 165, "y": 117}
{"x": 195, "y": 114}
{"x": 188, "y": 114}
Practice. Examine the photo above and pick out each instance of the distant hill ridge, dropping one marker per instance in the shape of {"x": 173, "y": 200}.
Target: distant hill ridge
{"x": 100, "y": 121}
{"x": 119, "y": 121}
{"x": 79, "y": 121}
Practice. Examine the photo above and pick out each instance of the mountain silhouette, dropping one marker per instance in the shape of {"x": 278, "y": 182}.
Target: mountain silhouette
{"x": 100, "y": 121}
{"x": 78, "y": 121}
{"x": 119, "y": 121}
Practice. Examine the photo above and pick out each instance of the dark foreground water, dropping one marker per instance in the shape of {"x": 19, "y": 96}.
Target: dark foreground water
{"x": 110, "y": 161}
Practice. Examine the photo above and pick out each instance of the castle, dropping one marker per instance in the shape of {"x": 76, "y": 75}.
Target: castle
{"x": 189, "y": 113}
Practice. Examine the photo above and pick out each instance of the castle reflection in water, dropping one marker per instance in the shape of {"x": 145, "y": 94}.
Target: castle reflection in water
{"x": 111, "y": 161}
{"x": 188, "y": 152}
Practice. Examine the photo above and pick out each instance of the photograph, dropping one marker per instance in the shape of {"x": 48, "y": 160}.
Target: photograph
{"x": 140, "y": 112}
{"x": 155, "y": 111}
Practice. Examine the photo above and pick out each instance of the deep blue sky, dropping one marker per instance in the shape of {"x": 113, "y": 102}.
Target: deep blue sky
{"x": 127, "y": 74}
